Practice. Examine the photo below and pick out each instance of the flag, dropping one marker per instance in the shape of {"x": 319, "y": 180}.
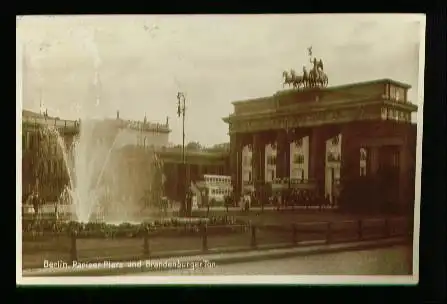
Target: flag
{"x": 310, "y": 50}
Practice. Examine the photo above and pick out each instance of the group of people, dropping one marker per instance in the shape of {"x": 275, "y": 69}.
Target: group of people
{"x": 35, "y": 201}
{"x": 295, "y": 197}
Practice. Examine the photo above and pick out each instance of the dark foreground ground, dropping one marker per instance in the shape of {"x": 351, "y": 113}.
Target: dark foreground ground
{"x": 312, "y": 227}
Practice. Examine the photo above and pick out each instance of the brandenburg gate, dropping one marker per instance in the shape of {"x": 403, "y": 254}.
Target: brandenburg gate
{"x": 317, "y": 137}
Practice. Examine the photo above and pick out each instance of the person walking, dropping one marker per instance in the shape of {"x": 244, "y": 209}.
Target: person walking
{"x": 35, "y": 203}
{"x": 276, "y": 202}
{"x": 247, "y": 203}
{"x": 56, "y": 213}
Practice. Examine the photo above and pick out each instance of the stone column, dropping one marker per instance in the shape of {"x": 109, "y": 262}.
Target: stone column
{"x": 256, "y": 160}
{"x": 404, "y": 176}
{"x": 235, "y": 163}
{"x": 281, "y": 153}
{"x": 288, "y": 140}
{"x": 261, "y": 182}
{"x": 313, "y": 149}
{"x": 293, "y": 134}
{"x": 350, "y": 155}
{"x": 373, "y": 161}
{"x": 317, "y": 151}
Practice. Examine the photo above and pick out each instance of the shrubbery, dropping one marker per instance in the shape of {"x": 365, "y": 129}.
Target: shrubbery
{"x": 41, "y": 227}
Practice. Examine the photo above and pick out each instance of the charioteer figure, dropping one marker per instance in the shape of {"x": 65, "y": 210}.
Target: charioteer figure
{"x": 310, "y": 79}
{"x": 320, "y": 64}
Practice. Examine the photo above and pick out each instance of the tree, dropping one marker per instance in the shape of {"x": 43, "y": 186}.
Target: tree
{"x": 193, "y": 145}
{"x": 220, "y": 147}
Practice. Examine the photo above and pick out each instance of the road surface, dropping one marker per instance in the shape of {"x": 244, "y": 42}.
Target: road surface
{"x": 394, "y": 260}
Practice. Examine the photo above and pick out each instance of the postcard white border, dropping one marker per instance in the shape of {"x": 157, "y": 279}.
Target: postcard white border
{"x": 224, "y": 280}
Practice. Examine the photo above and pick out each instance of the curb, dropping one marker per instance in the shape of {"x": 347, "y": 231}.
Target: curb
{"x": 315, "y": 250}
{"x": 218, "y": 259}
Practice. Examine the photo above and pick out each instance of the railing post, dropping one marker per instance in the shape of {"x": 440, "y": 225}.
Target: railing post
{"x": 386, "y": 228}
{"x": 204, "y": 237}
{"x": 253, "y": 237}
{"x": 328, "y": 233}
{"x": 360, "y": 229}
{"x": 294, "y": 234}
{"x": 73, "y": 247}
{"x": 146, "y": 248}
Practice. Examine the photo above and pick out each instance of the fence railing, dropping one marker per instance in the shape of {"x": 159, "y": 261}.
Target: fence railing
{"x": 202, "y": 238}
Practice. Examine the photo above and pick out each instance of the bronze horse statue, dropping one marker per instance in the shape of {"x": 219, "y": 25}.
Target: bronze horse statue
{"x": 298, "y": 81}
{"x": 316, "y": 75}
{"x": 323, "y": 79}
{"x": 288, "y": 79}
{"x": 314, "y": 78}
{"x": 293, "y": 80}
{"x": 313, "y": 74}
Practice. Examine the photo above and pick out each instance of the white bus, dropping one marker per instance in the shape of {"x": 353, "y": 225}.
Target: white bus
{"x": 215, "y": 188}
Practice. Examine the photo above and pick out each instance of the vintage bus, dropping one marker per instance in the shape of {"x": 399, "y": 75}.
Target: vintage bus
{"x": 213, "y": 189}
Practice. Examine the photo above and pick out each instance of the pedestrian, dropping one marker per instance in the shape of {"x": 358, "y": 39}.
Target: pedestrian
{"x": 165, "y": 205}
{"x": 213, "y": 202}
{"x": 227, "y": 201}
{"x": 56, "y": 214}
{"x": 35, "y": 202}
{"x": 276, "y": 202}
{"x": 247, "y": 203}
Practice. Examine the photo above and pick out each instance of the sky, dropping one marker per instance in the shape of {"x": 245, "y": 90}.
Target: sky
{"x": 93, "y": 66}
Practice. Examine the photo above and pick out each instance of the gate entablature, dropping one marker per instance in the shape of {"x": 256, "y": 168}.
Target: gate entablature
{"x": 373, "y": 100}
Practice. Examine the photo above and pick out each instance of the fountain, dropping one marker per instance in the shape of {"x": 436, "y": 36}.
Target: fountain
{"x": 101, "y": 185}
{"x": 98, "y": 187}
{"x": 85, "y": 163}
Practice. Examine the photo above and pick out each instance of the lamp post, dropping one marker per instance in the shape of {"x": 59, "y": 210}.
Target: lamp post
{"x": 181, "y": 111}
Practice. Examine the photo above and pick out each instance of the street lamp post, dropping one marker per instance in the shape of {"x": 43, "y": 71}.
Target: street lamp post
{"x": 181, "y": 111}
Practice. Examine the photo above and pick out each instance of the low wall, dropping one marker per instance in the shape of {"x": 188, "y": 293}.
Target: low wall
{"x": 136, "y": 243}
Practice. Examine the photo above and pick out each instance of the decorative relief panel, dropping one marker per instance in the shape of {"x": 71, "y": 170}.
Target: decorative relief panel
{"x": 312, "y": 119}
{"x": 397, "y": 93}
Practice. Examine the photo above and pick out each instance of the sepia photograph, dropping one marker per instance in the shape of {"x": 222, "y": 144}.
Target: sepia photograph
{"x": 219, "y": 149}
